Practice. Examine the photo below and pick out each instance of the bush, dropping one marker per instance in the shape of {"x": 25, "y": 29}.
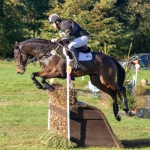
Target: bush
{"x": 139, "y": 89}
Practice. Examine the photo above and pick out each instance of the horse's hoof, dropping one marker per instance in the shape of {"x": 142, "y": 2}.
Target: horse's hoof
{"x": 118, "y": 118}
{"x": 39, "y": 87}
{"x": 47, "y": 86}
{"x": 44, "y": 88}
{"x": 51, "y": 89}
{"x": 130, "y": 114}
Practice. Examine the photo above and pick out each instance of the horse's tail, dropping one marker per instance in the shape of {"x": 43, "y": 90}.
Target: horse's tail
{"x": 120, "y": 74}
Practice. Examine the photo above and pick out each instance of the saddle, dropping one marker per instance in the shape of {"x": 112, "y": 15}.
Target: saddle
{"x": 84, "y": 49}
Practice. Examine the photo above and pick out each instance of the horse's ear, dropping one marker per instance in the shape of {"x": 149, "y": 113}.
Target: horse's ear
{"x": 16, "y": 43}
{"x": 13, "y": 46}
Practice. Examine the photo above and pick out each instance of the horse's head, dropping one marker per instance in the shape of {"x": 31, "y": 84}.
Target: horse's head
{"x": 20, "y": 58}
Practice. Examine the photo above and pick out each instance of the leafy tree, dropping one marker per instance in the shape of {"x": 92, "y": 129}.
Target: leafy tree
{"x": 104, "y": 27}
{"x": 24, "y": 22}
{"x": 113, "y": 24}
{"x": 10, "y": 28}
{"x": 135, "y": 15}
{"x": 48, "y": 32}
{"x": 92, "y": 16}
{"x": 33, "y": 14}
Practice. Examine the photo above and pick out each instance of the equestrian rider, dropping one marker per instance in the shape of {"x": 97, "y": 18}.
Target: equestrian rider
{"x": 68, "y": 29}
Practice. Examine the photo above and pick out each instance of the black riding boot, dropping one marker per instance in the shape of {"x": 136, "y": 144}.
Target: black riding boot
{"x": 75, "y": 57}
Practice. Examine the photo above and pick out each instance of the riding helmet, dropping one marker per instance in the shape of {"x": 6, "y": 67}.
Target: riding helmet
{"x": 53, "y": 18}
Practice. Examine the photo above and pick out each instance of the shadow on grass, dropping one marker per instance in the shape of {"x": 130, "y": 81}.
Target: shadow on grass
{"x": 136, "y": 143}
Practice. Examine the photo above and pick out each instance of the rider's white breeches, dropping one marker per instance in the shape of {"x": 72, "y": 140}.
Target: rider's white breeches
{"x": 79, "y": 42}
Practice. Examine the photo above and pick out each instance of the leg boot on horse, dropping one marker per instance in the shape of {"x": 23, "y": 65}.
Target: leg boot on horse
{"x": 125, "y": 107}
{"x": 46, "y": 85}
{"x": 116, "y": 109}
{"x": 36, "y": 82}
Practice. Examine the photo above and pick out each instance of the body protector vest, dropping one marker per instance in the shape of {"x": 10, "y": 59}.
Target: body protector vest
{"x": 70, "y": 28}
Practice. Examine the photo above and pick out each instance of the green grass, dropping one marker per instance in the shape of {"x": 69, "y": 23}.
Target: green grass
{"x": 23, "y": 112}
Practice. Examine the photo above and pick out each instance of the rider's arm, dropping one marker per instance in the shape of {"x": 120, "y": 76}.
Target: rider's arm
{"x": 65, "y": 34}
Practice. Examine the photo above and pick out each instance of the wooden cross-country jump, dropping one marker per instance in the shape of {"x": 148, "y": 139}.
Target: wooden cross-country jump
{"x": 88, "y": 125}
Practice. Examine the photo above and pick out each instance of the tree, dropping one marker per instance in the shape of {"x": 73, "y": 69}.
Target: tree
{"x": 104, "y": 27}
{"x": 113, "y": 24}
{"x": 11, "y": 27}
{"x": 34, "y": 14}
{"x": 24, "y": 22}
{"x": 135, "y": 15}
{"x": 85, "y": 13}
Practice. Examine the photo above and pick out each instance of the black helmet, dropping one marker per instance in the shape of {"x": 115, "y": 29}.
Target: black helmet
{"x": 53, "y": 18}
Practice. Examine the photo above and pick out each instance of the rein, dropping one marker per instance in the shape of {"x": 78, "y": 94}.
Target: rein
{"x": 53, "y": 52}
{"x": 36, "y": 57}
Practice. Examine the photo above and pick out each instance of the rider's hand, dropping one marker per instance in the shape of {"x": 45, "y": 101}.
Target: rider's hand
{"x": 54, "y": 40}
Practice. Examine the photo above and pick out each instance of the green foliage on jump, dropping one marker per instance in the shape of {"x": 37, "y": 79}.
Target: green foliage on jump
{"x": 55, "y": 140}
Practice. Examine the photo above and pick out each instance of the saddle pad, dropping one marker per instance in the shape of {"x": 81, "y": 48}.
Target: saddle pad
{"x": 85, "y": 56}
{"x": 82, "y": 56}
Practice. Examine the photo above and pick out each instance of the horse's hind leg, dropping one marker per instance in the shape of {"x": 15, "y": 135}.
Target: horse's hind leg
{"x": 96, "y": 82}
{"x": 122, "y": 94}
{"x": 116, "y": 109}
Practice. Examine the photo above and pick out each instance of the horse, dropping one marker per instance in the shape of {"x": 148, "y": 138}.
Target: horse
{"x": 102, "y": 69}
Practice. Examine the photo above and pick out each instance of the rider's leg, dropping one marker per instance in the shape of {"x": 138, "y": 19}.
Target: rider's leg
{"x": 75, "y": 57}
{"x": 76, "y": 43}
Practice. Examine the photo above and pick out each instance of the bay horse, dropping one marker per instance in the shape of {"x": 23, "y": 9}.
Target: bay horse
{"x": 102, "y": 69}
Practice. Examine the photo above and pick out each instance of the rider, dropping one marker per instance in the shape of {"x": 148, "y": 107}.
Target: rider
{"x": 67, "y": 29}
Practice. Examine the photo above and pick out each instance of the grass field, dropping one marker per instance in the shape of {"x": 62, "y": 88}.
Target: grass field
{"x": 23, "y": 113}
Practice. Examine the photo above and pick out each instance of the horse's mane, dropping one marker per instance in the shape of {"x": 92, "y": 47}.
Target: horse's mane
{"x": 35, "y": 40}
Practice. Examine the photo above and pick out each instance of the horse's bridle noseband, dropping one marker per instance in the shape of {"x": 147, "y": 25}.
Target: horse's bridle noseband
{"x": 19, "y": 54}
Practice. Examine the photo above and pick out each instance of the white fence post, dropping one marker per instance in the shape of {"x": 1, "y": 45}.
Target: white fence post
{"x": 68, "y": 101}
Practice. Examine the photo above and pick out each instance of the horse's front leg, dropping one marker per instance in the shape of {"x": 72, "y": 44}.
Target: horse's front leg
{"x": 35, "y": 81}
{"x": 52, "y": 74}
{"x": 46, "y": 85}
{"x": 44, "y": 75}
{"x": 55, "y": 73}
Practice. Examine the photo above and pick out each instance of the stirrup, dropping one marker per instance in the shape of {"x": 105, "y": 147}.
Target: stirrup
{"x": 77, "y": 67}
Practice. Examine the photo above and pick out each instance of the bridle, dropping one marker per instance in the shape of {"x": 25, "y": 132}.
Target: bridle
{"x": 19, "y": 54}
{"x": 34, "y": 59}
